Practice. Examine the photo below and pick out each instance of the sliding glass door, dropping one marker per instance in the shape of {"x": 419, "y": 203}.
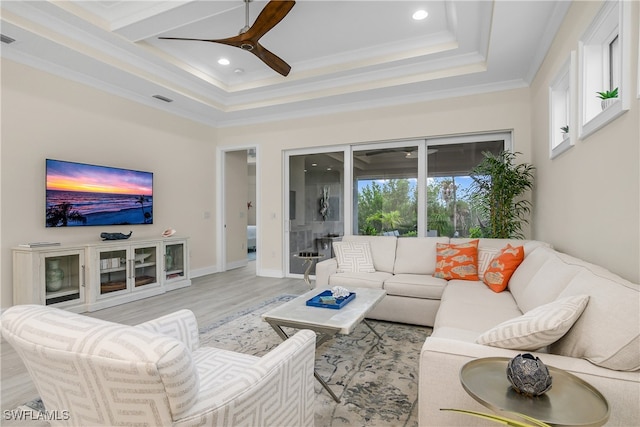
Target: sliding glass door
{"x": 402, "y": 188}
{"x": 385, "y": 189}
{"x": 315, "y": 205}
{"x": 450, "y": 211}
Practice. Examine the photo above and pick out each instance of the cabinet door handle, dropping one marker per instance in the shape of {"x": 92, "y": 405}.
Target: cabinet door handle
{"x": 84, "y": 277}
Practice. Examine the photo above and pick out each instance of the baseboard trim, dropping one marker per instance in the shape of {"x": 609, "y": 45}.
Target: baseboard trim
{"x": 212, "y": 269}
{"x": 277, "y": 274}
{"x": 204, "y": 271}
{"x": 237, "y": 264}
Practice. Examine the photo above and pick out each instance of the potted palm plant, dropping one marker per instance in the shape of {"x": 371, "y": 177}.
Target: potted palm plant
{"x": 497, "y": 194}
{"x": 608, "y": 97}
{"x": 565, "y": 131}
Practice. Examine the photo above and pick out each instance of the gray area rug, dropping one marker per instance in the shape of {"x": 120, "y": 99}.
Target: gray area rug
{"x": 376, "y": 380}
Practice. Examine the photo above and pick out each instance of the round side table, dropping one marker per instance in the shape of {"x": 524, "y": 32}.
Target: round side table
{"x": 570, "y": 402}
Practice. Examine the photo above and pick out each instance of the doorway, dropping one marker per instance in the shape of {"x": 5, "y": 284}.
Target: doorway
{"x": 237, "y": 244}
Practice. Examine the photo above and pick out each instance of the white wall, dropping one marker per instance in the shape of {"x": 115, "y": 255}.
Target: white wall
{"x": 587, "y": 200}
{"x": 44, "y": 116}
{"x": 497, "y": 111}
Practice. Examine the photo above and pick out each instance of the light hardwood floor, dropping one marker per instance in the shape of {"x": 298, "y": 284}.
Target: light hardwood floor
{"x": 210, "y": 297}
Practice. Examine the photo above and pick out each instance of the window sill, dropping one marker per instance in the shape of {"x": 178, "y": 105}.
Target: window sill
{"x": 605, "y": 117}
{"x": 562, "y": 147}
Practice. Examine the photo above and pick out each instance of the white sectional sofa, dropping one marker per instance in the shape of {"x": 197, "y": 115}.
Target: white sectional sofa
{"x": 602, "y": 347}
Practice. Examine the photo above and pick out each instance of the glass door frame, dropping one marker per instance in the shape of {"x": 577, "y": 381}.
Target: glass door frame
{"x": 423, "y": 145}
{"x": 347, "y": 206}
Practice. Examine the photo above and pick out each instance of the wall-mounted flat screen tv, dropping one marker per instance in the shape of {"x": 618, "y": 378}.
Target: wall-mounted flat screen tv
{"x": 80, "y": 194}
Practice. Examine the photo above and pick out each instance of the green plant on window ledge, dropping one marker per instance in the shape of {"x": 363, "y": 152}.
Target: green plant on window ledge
{"x": 565, "y": 129}
{"x": 608, "y": 94}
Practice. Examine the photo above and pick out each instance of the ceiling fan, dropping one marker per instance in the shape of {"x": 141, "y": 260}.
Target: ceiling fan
{"x": 271, "y": 15}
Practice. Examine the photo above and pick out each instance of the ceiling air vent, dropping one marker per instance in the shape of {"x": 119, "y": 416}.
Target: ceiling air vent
{"x": 163, "y": 98}
{"x": 6, "y": 39}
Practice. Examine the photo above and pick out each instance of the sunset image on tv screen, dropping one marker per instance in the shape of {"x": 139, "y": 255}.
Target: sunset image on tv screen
{"x": 82, "y": 194}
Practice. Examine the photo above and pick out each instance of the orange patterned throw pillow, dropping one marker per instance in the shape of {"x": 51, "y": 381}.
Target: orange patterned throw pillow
{"x": 497, "y": 276}
{"x": 457, "y": 261}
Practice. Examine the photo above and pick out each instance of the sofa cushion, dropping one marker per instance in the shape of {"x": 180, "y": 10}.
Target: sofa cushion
{"x": 417, "y": 255}
{"x": 485, "y": 256}
{"x": 359, "y": 280}
{"x": 415, "y": 286}
{"x": 383, "y": 249}
{"x": 608, "y": 332}
{"x": 353, "y": 257}
{"x": 468, "y": 305}
{"x": 500, "y": 269}
{"x": 536, "y": 328}
{"x": 457, "y": 261}
{"x": 549, "y": 273}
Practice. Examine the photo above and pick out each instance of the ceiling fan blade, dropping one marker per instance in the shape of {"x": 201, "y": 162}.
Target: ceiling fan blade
{"x": 247, "y": 40}
{"x": 272, "y": 60}
{"x": 269, "y": 17}
{"x": 182, "y": 38}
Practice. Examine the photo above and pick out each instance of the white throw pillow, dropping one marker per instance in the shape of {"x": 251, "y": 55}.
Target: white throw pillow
{"x": 538, "y": 327}
{"x": 485, "y": 256}
{"x": 354, "y": 257}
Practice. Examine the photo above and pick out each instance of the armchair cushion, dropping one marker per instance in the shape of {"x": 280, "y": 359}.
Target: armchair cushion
{"x": 182, "y": 325}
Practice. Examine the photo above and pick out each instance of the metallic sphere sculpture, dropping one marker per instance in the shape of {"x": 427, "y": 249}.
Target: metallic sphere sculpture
{"x": 528, "y": 375}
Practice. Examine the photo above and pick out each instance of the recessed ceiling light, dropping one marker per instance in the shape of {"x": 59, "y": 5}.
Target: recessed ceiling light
{"x": 419, "y": 15}
{"x": 314, "y": 164}
{"x": 223, "y": 61}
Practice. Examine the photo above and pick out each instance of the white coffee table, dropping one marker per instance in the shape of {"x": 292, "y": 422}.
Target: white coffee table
{"x": 324, "y": 321}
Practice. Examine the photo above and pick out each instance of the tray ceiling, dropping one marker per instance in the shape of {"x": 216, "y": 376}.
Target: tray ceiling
{"x": 344, "y": 55}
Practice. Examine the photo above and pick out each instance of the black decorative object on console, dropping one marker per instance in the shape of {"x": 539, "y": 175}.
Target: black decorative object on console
{"x": 115, "y": 236}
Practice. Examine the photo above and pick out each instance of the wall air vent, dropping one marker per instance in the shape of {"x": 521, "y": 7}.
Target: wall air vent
{"x": 163, "y": 98}
{"x": 6, "y": 39}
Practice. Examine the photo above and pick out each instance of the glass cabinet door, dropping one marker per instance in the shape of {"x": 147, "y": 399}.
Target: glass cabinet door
{"x": 145, "y": 266}
{"x": 113, "y": 270}
{"x": 174, "y": 261}
{"x": 64, "y": 278}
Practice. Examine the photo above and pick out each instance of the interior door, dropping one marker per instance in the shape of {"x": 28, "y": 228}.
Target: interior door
{"x": 315, "y": 204}
{"x": 235, "y": 208}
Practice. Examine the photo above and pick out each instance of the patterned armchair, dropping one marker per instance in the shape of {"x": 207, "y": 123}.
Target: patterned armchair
{"x": 156, "y": 374}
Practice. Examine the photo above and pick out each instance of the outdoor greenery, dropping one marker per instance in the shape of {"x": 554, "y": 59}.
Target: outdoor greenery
{"x": 448, "y": 209}
{"x": 493, "y": 206}
{"x": 392, "y": 205}
{"x": 497, "y": 192}
{"x": 387, "y": 207}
